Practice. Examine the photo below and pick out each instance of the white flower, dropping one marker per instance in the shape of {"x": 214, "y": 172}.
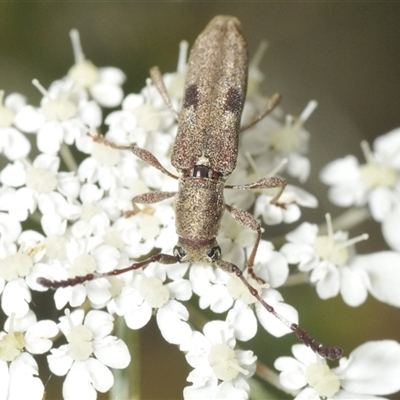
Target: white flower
{"x": 220, "y": 372}
{"x": 287, "y": 209}
{"x": 18, "y": 366}
{"x": 85, "y": 373}
{"x": 375, "y": 183}
{"x": 16, "y": 268}
{"x": 329, "y": 260}
{"x": 23, "y": 369}
{"x": 36, "y": 183}
{"x": 289, "y": 142}
{"x": 272, "y": 268}
{"x": 104, "y": 84}
{"x": 371, "y": 369}
{"x": 13, "y": 144}
{"x": 149, "y": 290}
{"x": 26, "y": 333}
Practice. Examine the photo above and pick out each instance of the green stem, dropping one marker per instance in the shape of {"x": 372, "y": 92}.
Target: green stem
{"x": 68, "y": 158}
{"x": 127, "y": 381}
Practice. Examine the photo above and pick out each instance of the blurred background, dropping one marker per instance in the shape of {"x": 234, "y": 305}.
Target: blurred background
{"x": 344, "y": 55}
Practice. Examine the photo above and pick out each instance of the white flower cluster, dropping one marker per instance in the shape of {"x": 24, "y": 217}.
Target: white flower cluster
{"x": 81, "y": 224}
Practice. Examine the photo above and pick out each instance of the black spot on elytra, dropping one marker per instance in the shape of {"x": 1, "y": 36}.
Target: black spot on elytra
{"x": 233, "y": 101}
{"x": 191, "y": 96}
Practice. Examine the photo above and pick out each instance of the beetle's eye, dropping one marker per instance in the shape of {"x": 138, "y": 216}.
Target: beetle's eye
{"x": 179, "y": 252}
{"x": 214, "y": 253}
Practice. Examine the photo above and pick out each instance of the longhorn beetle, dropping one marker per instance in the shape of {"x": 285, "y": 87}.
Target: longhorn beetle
{"x": 204, "y": 154}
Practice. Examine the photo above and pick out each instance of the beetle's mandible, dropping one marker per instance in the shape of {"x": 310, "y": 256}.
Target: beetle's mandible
{"x": 205, "y": 154}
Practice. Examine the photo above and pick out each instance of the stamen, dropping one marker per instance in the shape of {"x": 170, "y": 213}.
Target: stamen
{"x": 41, "y": 89}
{"x": 329, "y": 226}
{"x": 352, "y": 241}
{"x": 255, "y": 61}
{"x": 6, "y": 113}
{"x": 76, "y": 46}
{"x": 182, "y": 58}
{"x": 311, "y": 106}
{"x": 368, "y": 154}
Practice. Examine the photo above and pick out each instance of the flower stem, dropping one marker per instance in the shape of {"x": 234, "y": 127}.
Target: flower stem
{"x": 268, "y": 375}
{"x": 68, "y": 158}
{"x": 127, "y": 381}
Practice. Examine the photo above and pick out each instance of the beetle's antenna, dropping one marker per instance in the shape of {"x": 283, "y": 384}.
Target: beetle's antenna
{"x": 161, "y": 258}
{"x": 331, "y": 353}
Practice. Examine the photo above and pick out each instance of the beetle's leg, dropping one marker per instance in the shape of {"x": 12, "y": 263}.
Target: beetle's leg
{"x": 272, "y": 103}
{"x": 264, "y": 183}
{"x": 246, "y": 219}
{"x": 143, "y": 154}
{"x": 148, "y": 198}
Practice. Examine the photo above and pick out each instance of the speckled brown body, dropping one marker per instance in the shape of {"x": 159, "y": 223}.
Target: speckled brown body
{"x": 201, "y": 203}
{"x": 205, "y": 149}
{"x": 215, "y": 90}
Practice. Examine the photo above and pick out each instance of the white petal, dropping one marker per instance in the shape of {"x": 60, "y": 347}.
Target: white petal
{"x": 372, "y": 368}
{"x": 242, "y": 319}
{"x": 24, "y": 202}
{"x": 139, "y": 316}
{"x": 384, "y": 275}
{"x": 390, "y": 228}
{"x": 68, "y": 184}
{"x": 29, "y": 119}
{"x": 36, "y": 337}
{"x": 10, "y": 228}
{"x": 345, "y": 395}
{"x": 352, "y": 286}
{"x": 112, "y": 352}
{"x": 293, "y": 372}
{"x": 59, "y": 362}
{"x": 112, "y": 75}
{"x": 306, "y": 233}
{"x": 217, "y": 298}
{"x": 271, "y": 266}
{"x": 15, "y": 101}
{"x": 327, "y": 278}
{"x": 16, "y": 298}
{"x": 337, "y": 171}
{"x": 100, "y": 323}
{"x": 381, "y": 202}
{"x": 13, "y": 175}
{"x": 23, "y": 382}
{"x": 91, "y": 114}
{"x": 107, "y": 94}
{"x": 171, "y": 321}
{"x": 227, "y": 390}
{"x": 4, "y": 379}
{"x": 387, "y": 148}
{"x": 101, "y": 377}
{"x": 298, "y": 166}
{"x": 49, "y": 137}
{"x": 18, "y": 146}
{"x": 308, "y": 394}
{"x": 180, "y": 289}
{"x": 77, "y": 384}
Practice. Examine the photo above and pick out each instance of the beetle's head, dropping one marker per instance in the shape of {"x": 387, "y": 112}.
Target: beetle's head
{"x": 204, "y": 251}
